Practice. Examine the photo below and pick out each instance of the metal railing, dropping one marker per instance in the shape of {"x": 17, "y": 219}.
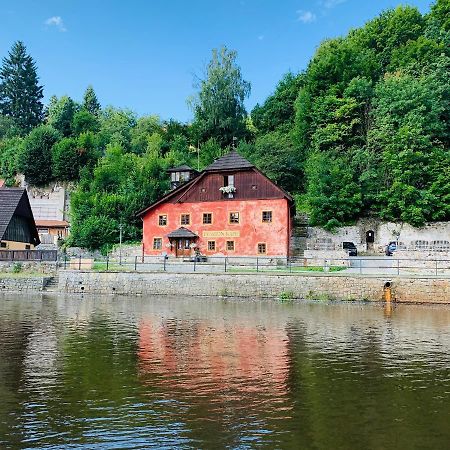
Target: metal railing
{"x": 231, "y": 264}
{"x": 29, "y": 255}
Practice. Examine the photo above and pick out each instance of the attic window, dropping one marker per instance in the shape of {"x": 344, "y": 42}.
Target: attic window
{"x": 254, "y": 187}
{"x": 228, "y": 183}
{"x": 203, "y": 190}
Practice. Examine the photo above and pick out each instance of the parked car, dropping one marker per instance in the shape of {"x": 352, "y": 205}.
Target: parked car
{"x": 391, "y": 248}
{"x": 350, "y": 247}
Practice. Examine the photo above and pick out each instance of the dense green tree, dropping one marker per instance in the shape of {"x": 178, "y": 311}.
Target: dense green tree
{"x": 333, "y": 195}
{"x": 284, "y": 165}
{"x": 20, "y": 92}
{"x": 278, "y": 109}
{"x": 10, "y": 151}
{"x": 90, "y": 101}
{"x": 219, "y": 105}
{"x": 84, "y": 121}
{"x": 208, "y": 152}
{"x": 60, "y": 114}
{"x": 66, "y": 159}
{"x": 145, "y": 127}
{"x": 9, "y": 127}
{"x": 36, "y": 158}
{"x": 115, "y": 127}
{"x": 121, "y": 184}
{"x": 440, "y": 12}
{"x": 410, "y": 137}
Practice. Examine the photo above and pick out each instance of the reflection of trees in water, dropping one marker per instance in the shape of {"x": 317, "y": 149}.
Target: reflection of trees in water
{"x": 352, "y": 393}
{"x": 13, "y": 341}
{"x": 27, "y": 362}
{"x": 232, "y": 376}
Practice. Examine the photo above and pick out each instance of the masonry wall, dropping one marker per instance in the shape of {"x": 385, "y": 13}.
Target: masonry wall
{"x": 47, "y": 267}
{"x": 22, "y": 284}
{"x": 404, "y": 289}
{"x": 385, "y": 232}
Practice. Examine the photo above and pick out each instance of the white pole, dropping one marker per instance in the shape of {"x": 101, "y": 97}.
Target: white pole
{"x": 120, "y": 244}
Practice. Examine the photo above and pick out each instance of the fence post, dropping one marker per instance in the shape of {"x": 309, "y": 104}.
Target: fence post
{"x": 290, "y": 264}
{"x": 65, "y": 261}
{"x": 360, "y": 265}
{"x": 135, "y": 263}
{"x": 398, "y": 267}
{"x": 436, "y": 267}
{"x": 257, "y": 264}
{"x": 195, "y": 259}
{"x": 107, "y": 262}
{"x": 225, "y": 263}
{"x": 79, "y": 262}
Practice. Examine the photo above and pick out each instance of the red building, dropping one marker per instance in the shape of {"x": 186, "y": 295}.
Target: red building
{"x": 230, "y": 208}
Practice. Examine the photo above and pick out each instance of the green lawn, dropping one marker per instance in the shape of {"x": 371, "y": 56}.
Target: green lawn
{"x": 294, "y": 269}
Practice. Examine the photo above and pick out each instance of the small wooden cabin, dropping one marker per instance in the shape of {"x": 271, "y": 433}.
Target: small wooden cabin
{"x": 230, "y": 208}
{"x": 17, "y": 226}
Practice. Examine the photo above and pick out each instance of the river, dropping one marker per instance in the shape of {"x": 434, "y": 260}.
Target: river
{"x": 126, "y": 372}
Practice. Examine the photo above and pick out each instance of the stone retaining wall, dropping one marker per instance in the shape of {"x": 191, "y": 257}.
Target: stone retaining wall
{"x": 326, "y": 257}
{"x": 321, "y": 287}
{"x": 22, "y": 284}
{"x": 49, "y": 268}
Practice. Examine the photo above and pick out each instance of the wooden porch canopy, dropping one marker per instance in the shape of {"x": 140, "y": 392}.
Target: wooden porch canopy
{"x": 182, "y": 233}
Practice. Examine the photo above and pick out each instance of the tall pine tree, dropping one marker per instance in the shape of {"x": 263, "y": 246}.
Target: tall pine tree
{"x": 20, "y": 93}
{"x": 90, "y": 101}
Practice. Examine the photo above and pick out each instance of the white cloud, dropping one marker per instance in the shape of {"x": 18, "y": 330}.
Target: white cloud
{"x": 260, "y": 37}
{"x": 328, "y": 4}
{"x": 56, "y": 21}
{"x": 305, "y": 16}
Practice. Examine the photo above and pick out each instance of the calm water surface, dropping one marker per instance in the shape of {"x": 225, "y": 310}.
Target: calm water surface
{"x": 100, "y": 373}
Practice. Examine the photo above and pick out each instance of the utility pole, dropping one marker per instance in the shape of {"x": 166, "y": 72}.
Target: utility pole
{"x": 198, "y": 156}
{"x": 120, "y": 243}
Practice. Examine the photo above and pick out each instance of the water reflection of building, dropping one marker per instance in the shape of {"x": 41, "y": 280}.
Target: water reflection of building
{"x": 222, "y": 360}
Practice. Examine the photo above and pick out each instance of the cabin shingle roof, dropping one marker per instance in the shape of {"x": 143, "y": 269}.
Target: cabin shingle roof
{"x": 231, "y": 161}
{"x": 9, "y": 200}
{"x": 183, "y": 168}
{"x": 12, "y": 200}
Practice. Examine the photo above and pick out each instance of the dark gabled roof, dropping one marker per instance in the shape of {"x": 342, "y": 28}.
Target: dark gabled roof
{"x": 231, "y": 161}
{"x": 182, "y": 233}
{"x": 183, "y": 168}
{"x": 170, "y": 194}
{"x": 15, "y": 200}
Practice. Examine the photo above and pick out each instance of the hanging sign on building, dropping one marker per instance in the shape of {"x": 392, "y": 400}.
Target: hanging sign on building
{"x": 221, "y": 233}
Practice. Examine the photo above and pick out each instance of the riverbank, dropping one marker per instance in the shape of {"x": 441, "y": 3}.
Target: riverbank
{"x": 316, "y": 286}
{"x": 313, "y": 285}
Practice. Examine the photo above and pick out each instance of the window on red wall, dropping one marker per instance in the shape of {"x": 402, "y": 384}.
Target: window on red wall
{"x": 185, "y": 219}
{"x": 162, "y": 220}
{"x": 157, "y": 243}
{"x": 207, "y": 218}
{"x": 234, "y": 217}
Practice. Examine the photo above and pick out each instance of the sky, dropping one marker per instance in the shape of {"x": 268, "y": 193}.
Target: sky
{"x": 144, "y": 54}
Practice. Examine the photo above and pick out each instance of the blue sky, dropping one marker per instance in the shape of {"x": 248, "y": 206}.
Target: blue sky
{"x": 143, "y": 54}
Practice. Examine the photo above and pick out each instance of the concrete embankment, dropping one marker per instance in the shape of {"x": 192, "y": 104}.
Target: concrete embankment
{"x": 310, "y": 286}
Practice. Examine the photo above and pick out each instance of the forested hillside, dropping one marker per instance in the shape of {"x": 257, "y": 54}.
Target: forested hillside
{"x": 364, "y": 130}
